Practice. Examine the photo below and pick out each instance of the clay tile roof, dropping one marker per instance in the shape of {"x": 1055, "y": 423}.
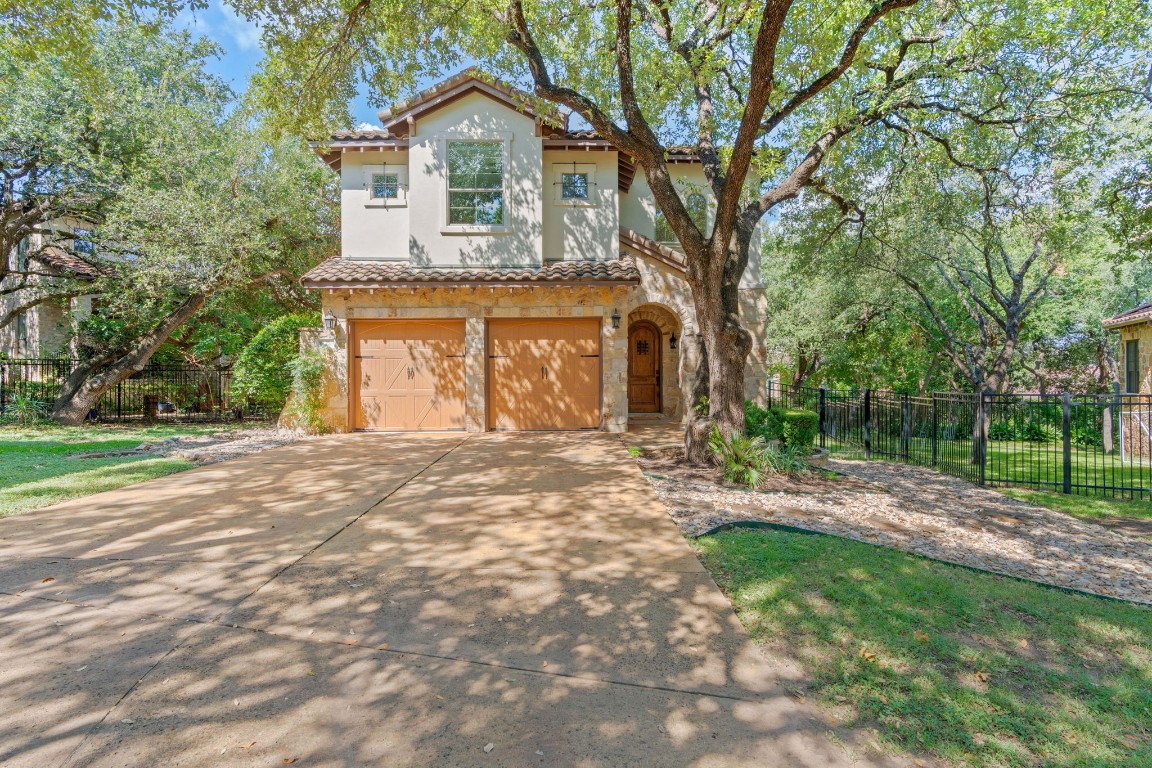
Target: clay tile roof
{"x": 1132, "y": 316}
{"x": 346, "y": 273}
{"x": 357, "y": 134}
{"x": 646, "y": 246}
{"x": 63, "y": 261}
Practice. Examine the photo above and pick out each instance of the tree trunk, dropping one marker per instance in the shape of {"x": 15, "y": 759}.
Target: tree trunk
{"x": 726, "y": 344}
{"x": 86, "y": 384}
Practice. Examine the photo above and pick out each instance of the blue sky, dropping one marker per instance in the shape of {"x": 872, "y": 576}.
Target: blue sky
{"x": 240, "y": 40}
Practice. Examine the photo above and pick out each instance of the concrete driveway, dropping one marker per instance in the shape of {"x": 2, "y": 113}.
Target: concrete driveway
{"x": 385, "y": 600}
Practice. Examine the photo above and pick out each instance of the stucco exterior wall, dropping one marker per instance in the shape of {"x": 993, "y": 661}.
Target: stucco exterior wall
{"x": 373, "y": 230}
{"x": 432, "y": 242}
{"x": 581, "y": 231}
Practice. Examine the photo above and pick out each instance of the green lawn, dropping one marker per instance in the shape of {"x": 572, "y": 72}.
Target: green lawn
{"x": 973, "y": 668}
{"x": 1083, "y": 507}
{"x": 35, "y": 470}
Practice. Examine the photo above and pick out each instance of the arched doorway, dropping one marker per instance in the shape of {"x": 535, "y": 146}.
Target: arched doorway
{"x": 644, "y": 367}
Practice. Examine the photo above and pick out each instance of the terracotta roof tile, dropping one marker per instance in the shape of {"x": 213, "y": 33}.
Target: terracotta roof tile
{"x": 347, "y": 273}
{"x": 66, "y": 262}
{"x": 1130, "y": 316}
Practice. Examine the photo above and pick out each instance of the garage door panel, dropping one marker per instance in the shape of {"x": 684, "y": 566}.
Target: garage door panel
{"x": 411, "y": 375}
{"x": 544, "y": 374}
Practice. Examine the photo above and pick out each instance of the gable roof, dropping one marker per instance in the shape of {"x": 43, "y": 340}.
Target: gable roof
{"x": 397, "y": 118}
{"x": 1140, "y": 314}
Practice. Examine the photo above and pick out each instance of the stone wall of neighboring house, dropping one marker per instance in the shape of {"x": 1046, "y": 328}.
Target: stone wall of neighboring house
{"x": 1136, "y": 413}
{"x": 662, "y": 297}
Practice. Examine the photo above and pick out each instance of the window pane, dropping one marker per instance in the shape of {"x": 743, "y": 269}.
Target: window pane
{"x": 385, "y": 186}
{"x": 476, "y": 208}
{"x": 1132, "y": 366}
{"x": 81, "y": 243}
{"x": 574, "y": 186}
{"x": 697, "y": 210}
{"x": 664, "y": 233}
{"x": 475, "y": 165}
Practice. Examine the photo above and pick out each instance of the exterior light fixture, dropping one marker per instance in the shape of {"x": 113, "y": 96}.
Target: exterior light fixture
{"x": 672, "y": 341}
{"x": 615, "y": 318}
{"x": 330, "y": 321}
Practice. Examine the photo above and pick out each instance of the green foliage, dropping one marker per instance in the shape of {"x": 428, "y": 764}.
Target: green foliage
{"x": 1026, "y": 430}
{"x": 794, "y": 428}
{"x": 742, "y": 459}
{"x": 702, "y": 406}
{"x": 748, "y": 459}
{"x": 303, "y": 409}
{"x": 262, "y": 373}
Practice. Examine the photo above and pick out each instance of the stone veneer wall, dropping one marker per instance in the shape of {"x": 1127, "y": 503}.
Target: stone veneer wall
{"x": 662, "y": 292}
{"x": 1136, "y": 416}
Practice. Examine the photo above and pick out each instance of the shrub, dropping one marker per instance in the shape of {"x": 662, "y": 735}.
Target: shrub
{"x": 742, "y": 458}
{"x": 793, "y": 427}
{"x": 262, "y": 373}
{"x": 748, "y": 459}
{"x": 303, "y": 408}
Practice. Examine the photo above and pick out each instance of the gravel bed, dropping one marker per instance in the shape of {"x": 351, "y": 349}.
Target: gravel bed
{"x": 208, "y": 448}
{"x": 921, "y": 511}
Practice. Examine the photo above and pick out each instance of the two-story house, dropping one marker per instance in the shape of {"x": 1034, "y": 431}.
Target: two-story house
{"x": 46, "y": 329}
{"x": 499, "y": 271}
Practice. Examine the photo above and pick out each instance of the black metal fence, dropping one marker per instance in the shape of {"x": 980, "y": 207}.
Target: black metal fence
{"x": 1075, "y": 444}
{"x": 163, "y": 392}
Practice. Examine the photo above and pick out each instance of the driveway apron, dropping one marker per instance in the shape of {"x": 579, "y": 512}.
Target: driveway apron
{"x": 398, "y": 600}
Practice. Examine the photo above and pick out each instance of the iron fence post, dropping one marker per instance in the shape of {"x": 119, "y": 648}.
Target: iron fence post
{"x": 1067, "y": 435}
{"x": 935, "y": 430}
{"x": 867, "y": 424}
{"x": 822, "y": 412}
{"x": 905, "y": 425}
{"x": 3, "y": 388}
{"x": 981, "y": 436}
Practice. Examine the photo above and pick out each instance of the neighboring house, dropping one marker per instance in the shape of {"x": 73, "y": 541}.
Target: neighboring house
{"x": 1135, "y": 328}
{"x": 499, "y": 271}
{"x": 46, "y": 330}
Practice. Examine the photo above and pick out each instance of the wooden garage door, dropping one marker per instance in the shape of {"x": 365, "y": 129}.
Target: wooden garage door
{"x": 544, "y": 374}
{"x": 408, "y": 374}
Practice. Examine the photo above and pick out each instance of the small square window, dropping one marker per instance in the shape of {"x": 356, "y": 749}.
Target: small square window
{"x": 385, "y": 186}
{"x": 574, "y": 186}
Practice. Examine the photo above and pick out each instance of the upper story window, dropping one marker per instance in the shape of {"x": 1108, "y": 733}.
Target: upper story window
{"x": 476, "y": 183}
{"x": 82, "y": 241}
{"x": 385, "y": 186}
{"x": 698, "y": 211}
{"x": 22, "y": 255}
{"x": 1132, "y": 366}
{"x": 574, "y": 184}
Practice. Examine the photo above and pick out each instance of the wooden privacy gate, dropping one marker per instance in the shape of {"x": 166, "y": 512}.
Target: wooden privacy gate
{"x": 544, "y": 374}
{"x": 408, "y": 374}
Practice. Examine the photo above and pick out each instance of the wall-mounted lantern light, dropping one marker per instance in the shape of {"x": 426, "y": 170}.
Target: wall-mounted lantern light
{"x": 615, "y": 318}
{"x": 672, "y": 341}
{"x": 330, "y": 321}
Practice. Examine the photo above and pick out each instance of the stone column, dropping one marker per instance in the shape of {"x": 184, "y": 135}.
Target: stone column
{"x": 475, "y": 370}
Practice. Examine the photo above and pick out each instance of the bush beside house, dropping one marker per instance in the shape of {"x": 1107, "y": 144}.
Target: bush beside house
{"x": 262, "y": 374}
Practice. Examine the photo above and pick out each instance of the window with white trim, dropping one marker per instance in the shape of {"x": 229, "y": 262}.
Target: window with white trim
{"x": 574, "y": 184}
{"x": 476, "y": 183}
{"x": 385, "y": 186}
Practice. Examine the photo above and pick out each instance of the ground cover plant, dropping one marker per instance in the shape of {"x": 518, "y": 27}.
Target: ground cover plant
{"x": 972, "y": 668}
{"x": 36, "y": 468}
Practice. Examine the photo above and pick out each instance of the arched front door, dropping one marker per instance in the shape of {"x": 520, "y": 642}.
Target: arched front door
{"x": 644, "y": 361}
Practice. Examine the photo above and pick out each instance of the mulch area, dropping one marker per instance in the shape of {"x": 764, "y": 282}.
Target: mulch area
{"x": 669, "y": 463}
{"x": 920, "y": 511}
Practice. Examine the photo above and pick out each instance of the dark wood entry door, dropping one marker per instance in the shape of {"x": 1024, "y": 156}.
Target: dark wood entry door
{"x": 644, "y": 368}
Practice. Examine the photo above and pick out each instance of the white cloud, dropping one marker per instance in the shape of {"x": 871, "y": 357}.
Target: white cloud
{"x": 244, "y": 33}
